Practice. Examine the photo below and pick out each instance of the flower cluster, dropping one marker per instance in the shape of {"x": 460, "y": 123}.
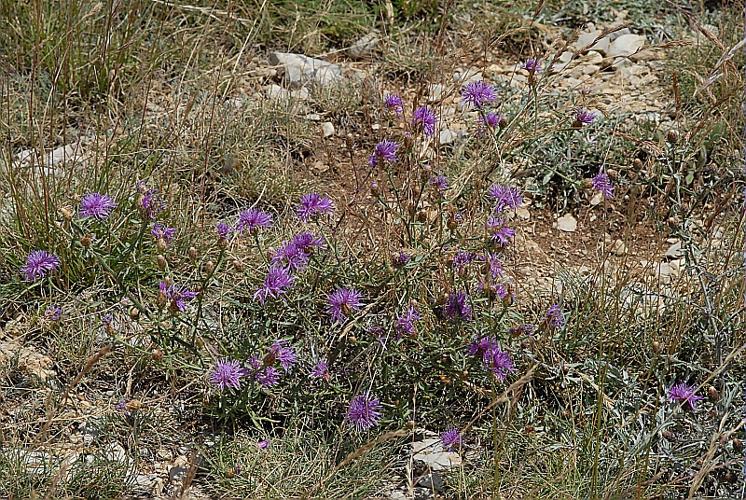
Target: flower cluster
{"x": 493, "y": 357}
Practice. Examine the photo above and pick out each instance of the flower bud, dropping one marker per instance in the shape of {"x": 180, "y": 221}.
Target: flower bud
{"x": 86, "y": 240}
{"x": 637, "y": 163}
{"x": 672, "y": 136}
{"x": 66, "y": 213}
{"x": 209, "y": 267}
{"x": 737, "y": 445}
{"x": 161, "y": 245}
{"x": 421, "y": 216}
{"x": 156, "y": 355}
{"x": 668, "y": 435}
{"x": 238, "y": 265}
{"x": 656, "y": 347}
{"x": 375, "y": 190}
{"x": 134, "y": 313}
{"x": 161, "y": 262}
{"x": 193, "y": 254}
{"x": 713, "y": 394}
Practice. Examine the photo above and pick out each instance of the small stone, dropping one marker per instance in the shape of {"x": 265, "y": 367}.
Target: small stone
{"x": 433, "y": 482}
{"x": 314, "y": 117}
{"x": 618, "y": 248}
{"x": 430, "y": 451}
{"x": 523, "y": 213}
{"x": 364, "y": 46}
{"x": 436, "y": 92}
{"x": 114, "y": 452}
{"x": 567, "y": 223}
{"x": 591, "y": 41}
{"x": 328, "y": 129}
{"x": 626, "y": 45}
{"x": 448, "y": 136}
{"x": 675, "y": 251}
{"x": 299, "y": 68}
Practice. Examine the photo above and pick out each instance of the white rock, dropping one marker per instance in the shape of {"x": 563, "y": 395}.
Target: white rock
{"x": 567, "y": 223}
{"x": 327, "y": 129}
{"x": 115, "y": 453}
{"x": 619, "y": 248}
{"x": 587, "y": 41}
{"x": 364, "y": 46}
{"x": 626, "y": 45}
{"x": 449, "y": 136}
{"x": 431, "y": 452}
{"x": 675, "y": 251}
{"x": 436, "y": 92}
{"x": 299, "y": 68}
{"x": 314, "y": 117}
{"x": 464, "y": 76}
{"x": 566, "y": 56}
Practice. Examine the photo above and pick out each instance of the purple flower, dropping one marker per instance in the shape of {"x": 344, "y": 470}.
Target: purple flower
{"x": 394, "y": 103}
{"x": 151, "y": 203}
{"x": 312, "y": 204}
{"x": 494, "y": 265}
{"x": 177, "y": 296}
{"x": 603, "y": 185}
{"x": 163, "y": 232}
{"x": 276, "y": 282}
{"x": 291, "y": 255}
{"x": 96, "y": 205}
{"x": 226, "y": 374}
{"x": 342, "y": 302}
{"x": 53, "y": 313}
{"x": 439, "y": 182}
{"x": 320, "y": 370}
{"x": 424, "y": 119}
{"x": 684, "y": 393}
{"x": 451, "y": 439}
{"x": 252, "y": 219}
{"x": 499, "y": 232}
{"x": 462, "y": 259}
{"x": 263, "y": 444}
{"x": 492, "y": 119}
{"x": 457, "y": 307}
{"x": 532, "y": 65}
{"x": 478, "y": 93}
{"x": 223, "y": 230}
{"x": 384, "y": 151}
{"x": 498, "y": 362}
{"x": 283, "y": 353}
{"x": 268, "y": 376}
{"x": 584, "y": 117}
{"x": 480, "y": 346}
{"x": 307, "y": 241}
{"x": 405, "y": 323}
{"x": 364, "y": 412}
{"x": 555, "y": 317}
{"x": 39, "y": 263}
{"x": 401, "y": 259}
{"x": 505, "y": 197}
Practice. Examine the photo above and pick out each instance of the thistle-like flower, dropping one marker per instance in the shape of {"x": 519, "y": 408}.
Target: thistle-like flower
{"x": 276, "y": 283}
{"x": 97, "y": 206}
{"x": 342, "y": 302}
{"x": 684, "y": 393}
{"x": 39, "y": 263}
{"x": 603, "y": 185}
{"x": 451, "y": 439}
{"x": 478, "y": 94}
{"x": 176, "y": 296}
{"x": 394, "y": 103}
{"x": 505, "y": 197}
{"x": 251, "y": 220}
{"x": 364, "y": 412}
{"x": 424, "y": 119}
{"x": 313, "y": 204}
{"x": 385, "y": 151}
{"x": 227, "y": 374}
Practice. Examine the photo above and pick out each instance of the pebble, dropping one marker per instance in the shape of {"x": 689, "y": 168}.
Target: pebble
{"x": 299, "y": 68}
{"x": 567, "y": 223}
{"x": 327, "y": 129}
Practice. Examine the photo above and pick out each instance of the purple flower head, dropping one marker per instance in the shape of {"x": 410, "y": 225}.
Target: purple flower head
{"x": 276, "y": 283}
{"x": 364, "y": 412}
{"x": 282, "y": 352}
{"x": 320, "y": 370}
{"x": 176, "y": 296}
{"x": 500, "y": 233}
{"x": 291, "y": 255}
{"x": 223, "y": 230}
{"x": 39, "y": 263}
{"x": 505, "y": 197}
{"x": 603, "y": 185}
{"x": 253, "y": 219}
{"x": 439, "y": 182}
{"x": 462, "y": 258}
{"x": 163, "y": 232}
{"x": 121, "y": 406}
{"x": 401, "y": 259}
{"x": 424, "y": 118}
{"x": 342, "y": 302}
{"x": 457, "y": 307}
{"x": 555, "y": 318}
{"x": 480, "y": 346}
{"x": 96, "y": 205}
{"x": 451, "y": 439}
{"x": 478, "y": 93}
{"x": 384, "y": 151}
{"x": 492, "y": 119}
{"x": 684, "y": 393}
{"x": 151, "y": 203}
{"x": 313, "y": 204}
{"x": 494, "y": 265}
{"x": 584, "y": 117}
{"x": 53, "y": 313}
{"x": 263, "y": 444}
{"x": 498, "y": 362}
{"x": 307, "y": 241}
{"x": 268, "y": 376}
{"x": 227, "y": 374}
{"x": 532, "y": 65}
{"x": 405, "y": 323}
{"x": 394, "y": 103}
